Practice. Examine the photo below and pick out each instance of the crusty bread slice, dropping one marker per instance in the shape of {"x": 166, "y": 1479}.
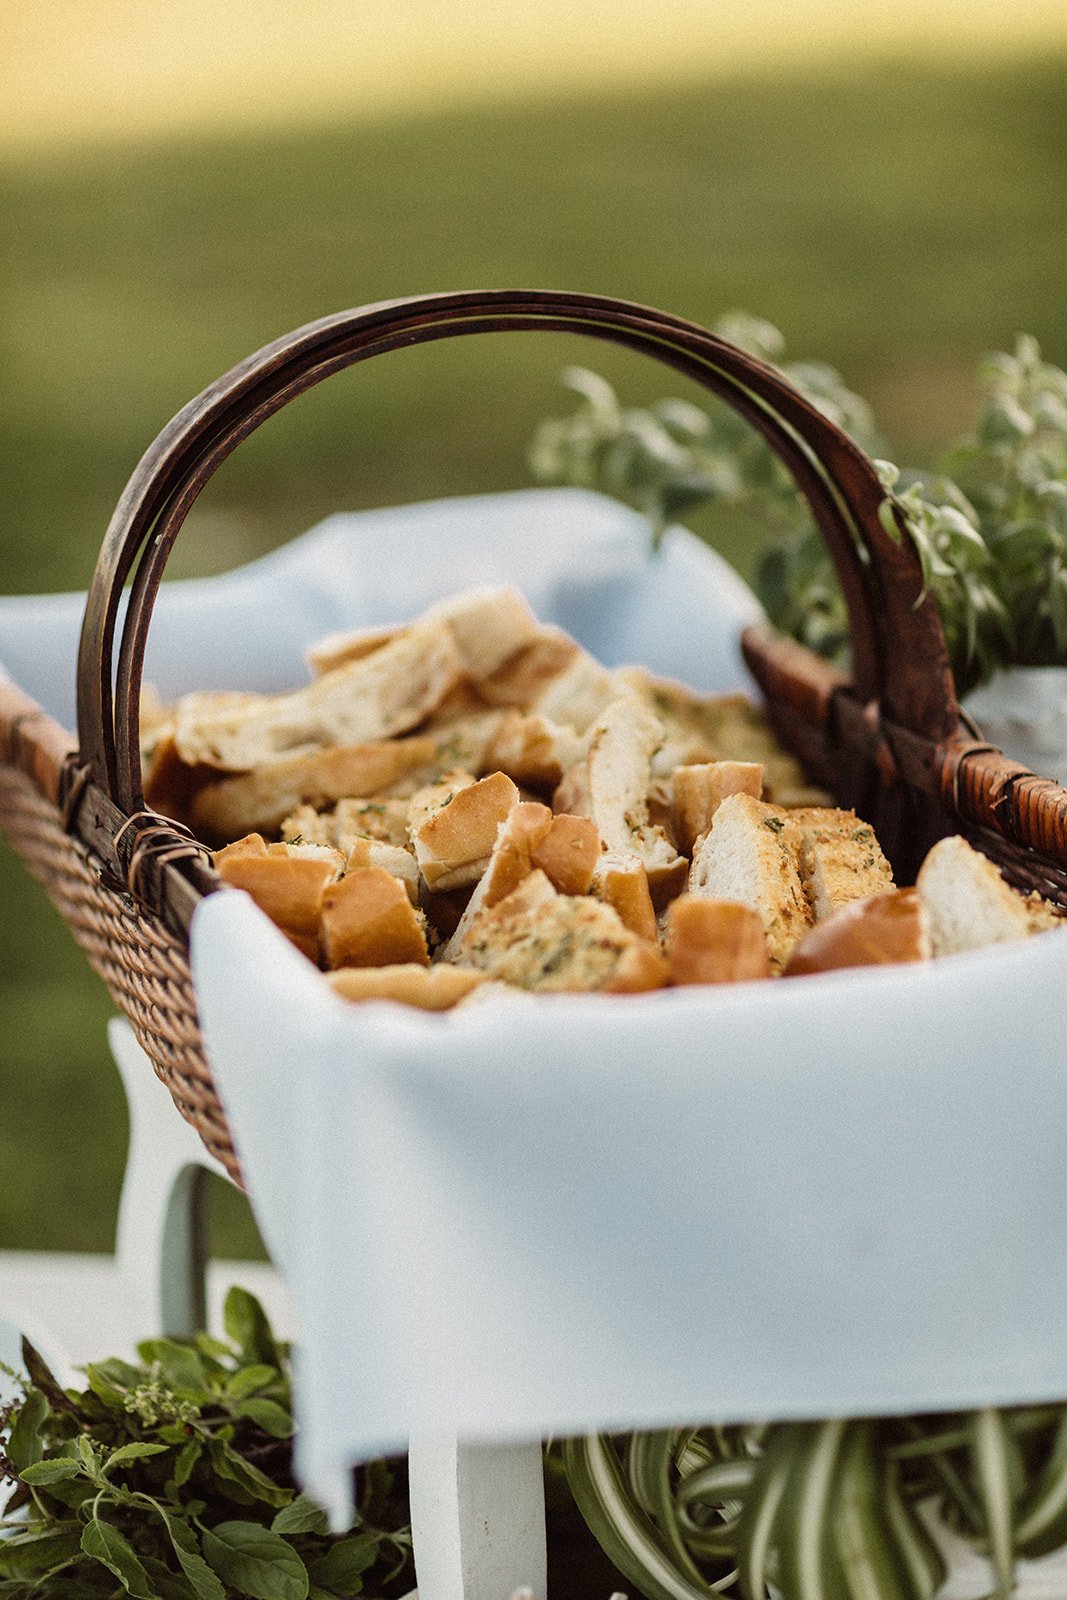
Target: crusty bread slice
{"x": 620, "y": 881}
{"x": 381, "y": 817}
{"x": 714, "y": 941}
{"x": 340, "y": 649}
{"x": 532, "y": 749}
{"x": 454, "y": 836}
{"x": 368, "y": 921}
{"x": 883, "y": 929}
{"x": 488, "y": 624}
{"x": 553, "y": 676}
{"x": 569, "y": 852}
{"x": 395, "y": 859}
{"x": 260, "y": 800}
{"x": 840, "y": 858}
{"x": 697, "y": 792}
{"x": 538, "y": 939}
{"x": 751, "y": 854}
{"x": 723, "y": 727}
{"x": 289, "y": 889}
{"x": 378, "y": 695}
{"x": 968, "y": 902}
{"x": 429, "y": 988}
{"x": 611, "y": 786}
{"x": 517, "y": 836}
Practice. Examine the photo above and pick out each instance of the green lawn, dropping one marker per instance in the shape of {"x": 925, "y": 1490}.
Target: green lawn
{"x": 896, "y": 222}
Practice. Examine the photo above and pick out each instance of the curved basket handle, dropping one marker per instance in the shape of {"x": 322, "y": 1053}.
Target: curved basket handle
{"x": 898, "y": 646}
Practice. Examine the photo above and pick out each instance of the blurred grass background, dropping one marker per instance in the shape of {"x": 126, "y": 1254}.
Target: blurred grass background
{"x": 895, "y": 213}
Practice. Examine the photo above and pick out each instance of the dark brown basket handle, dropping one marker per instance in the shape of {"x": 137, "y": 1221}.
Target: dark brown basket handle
{"x": 899, "y": 655}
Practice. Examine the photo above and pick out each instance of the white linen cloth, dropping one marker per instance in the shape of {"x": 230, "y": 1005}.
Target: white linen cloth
{"x": 846, "y": 1194}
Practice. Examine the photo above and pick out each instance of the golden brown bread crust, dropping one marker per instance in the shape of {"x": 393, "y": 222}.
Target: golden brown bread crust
{"x": 569, "y": 853}
{"x": 454, "y": 842}
{"x": 429, "y": 988}
{"x": 885, "y": 928}
{"x": 289, "y": 890}
{"x": 697, "y": 792}
{"x": 621, "y": 882}
{"x": 368, "y": 921}
{"x": 714, "y": 941}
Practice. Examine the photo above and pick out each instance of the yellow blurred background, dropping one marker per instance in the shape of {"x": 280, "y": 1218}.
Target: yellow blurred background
{"x": 114, "y": 69}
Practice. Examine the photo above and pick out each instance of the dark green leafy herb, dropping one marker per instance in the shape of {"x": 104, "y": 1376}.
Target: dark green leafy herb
{"x": 989, "y": 525}
{"x": 172, "y": 1480}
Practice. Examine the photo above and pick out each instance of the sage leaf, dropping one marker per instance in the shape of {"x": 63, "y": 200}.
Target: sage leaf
{"x": 24, "y": 1445}
{"x": 246, "y": 1324}
{"x": 342, "y": 1566}
{"x": 27, "y": 1555}
{"x": 202, "y": 1579}
{"x": 255, "y": 1561}
{"x": 138, "y": 1450}
{"x": 113, "y": 1551}
{"x": 302, "y": 1515}
{"x": 51, "y": 1471}
{"x": 250, "y": 1380}
{"x": 268, "y": 1415}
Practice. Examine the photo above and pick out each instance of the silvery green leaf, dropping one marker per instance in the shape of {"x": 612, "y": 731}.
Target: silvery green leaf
{"x": 596, "y": 390}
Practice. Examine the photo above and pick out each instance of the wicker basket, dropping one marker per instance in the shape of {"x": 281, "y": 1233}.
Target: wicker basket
{"x": 889, "y": 741}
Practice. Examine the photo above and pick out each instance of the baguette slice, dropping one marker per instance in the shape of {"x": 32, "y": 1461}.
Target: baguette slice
{"x": 887, "y": 927}
{"x": 429, "y": 988}
{"x": 374, "y": 697}
{"x": 381, "y": 817}
{"x": 697, "y": 791}
{"x": 510, "y": 861}
{"x": 368, "y": 921}
{"x": 554, "y": 677}
{"x": 454, "y": 839}
{"x": 620, "y": 881}
{"x": 288, "y": 889}
{"x": 569, "y": 852}
{"x": 751, "y": 855}
{"x": 261, "y": 800}
{"x": 611, "y": 786}
{"x": 840, "y": 859}
{"x": 968, "y": 902}
{"x": 539, "y": 940}
{"x": 714, "y": 941}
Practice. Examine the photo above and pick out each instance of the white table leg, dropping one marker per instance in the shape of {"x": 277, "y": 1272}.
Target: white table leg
{"x": 159, "y": 1245}
{"x": 477, "y": 1519}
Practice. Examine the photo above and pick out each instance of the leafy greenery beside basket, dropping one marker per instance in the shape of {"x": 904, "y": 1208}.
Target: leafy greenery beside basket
{"x": 990, "y": 523}
{"x": 172, "y": 1480}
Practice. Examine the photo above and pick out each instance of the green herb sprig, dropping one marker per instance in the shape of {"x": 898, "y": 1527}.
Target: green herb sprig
{"x": 172, "y": 1480}
{"x": 990, "y": 524}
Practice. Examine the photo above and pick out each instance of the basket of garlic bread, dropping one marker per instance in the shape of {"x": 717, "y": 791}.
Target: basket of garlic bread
{"x": 470, "y": 804}
{"x": 516, "y": 814}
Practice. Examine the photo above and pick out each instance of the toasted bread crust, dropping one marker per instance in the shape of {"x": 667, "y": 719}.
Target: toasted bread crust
{"x": 697, "y": 792}
{"x": 840, "y": 859}
{"x": 714, "y": 941}
{"x": 368, "y": 921}
{"x": 569, "y": 852}
{"x": 375, "y": 697}
{"x": 454, "y": 842}
{"x": 428, "y": 988}
{"x": 260, "y": 800}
